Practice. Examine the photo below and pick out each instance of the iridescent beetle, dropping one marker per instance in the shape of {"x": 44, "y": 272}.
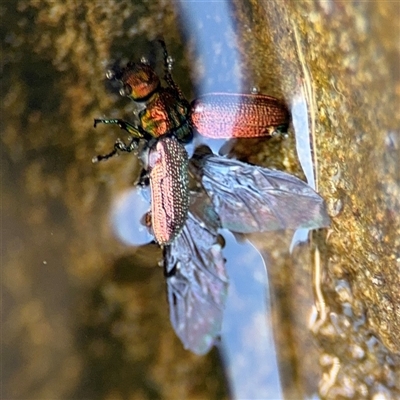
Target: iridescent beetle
{"x": 185, "y": 219}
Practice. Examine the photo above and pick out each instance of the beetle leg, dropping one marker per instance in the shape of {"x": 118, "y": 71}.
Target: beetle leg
{"x": 119, "y": 145}
{"x": 136, "y": 132}
{"x": 281, "y": 130}
{"x": 143, "y": 179}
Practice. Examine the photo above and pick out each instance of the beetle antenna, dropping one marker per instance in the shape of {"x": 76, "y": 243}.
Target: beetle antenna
{"x": 168, "y": 62}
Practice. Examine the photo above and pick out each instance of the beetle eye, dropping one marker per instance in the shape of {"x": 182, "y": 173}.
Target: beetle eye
{"x": 126, "y": 90}
{"x": 110, "y": 74}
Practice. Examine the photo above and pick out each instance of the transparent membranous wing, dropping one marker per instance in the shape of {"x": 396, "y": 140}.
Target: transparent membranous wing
{"x": 196, "y": 279}
{"x": 239, "y": 197}
{"x": 249, "y": 198}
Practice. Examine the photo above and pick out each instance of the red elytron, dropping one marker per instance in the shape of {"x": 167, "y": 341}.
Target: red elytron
{"x": 230, "y": 115}
{"x": 168, "y": 173}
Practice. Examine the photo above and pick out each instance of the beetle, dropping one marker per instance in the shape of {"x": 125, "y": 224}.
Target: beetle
{"x": 167, "y": 122}
{"x": 191, "y": 199}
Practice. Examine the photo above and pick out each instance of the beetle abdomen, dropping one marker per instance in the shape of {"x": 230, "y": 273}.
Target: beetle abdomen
{"x": 168, "y": 166}
{"x": 226, "y": 115}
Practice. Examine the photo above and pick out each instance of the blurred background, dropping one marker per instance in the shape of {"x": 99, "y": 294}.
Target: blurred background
{"x": 84, "y": 312}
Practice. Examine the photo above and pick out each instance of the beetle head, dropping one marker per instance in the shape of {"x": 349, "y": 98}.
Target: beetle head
{"x": 139, "y": 81}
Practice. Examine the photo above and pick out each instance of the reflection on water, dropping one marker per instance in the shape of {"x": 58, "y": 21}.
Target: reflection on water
{"x": 302, "y": 134}
{"x": 128, "y": 212}
{"x": 247, "y": 341}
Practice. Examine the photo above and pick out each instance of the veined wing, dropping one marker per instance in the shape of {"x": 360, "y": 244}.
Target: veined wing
{"x": 249, "y": 198}
{"x": 196, "y": 282}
